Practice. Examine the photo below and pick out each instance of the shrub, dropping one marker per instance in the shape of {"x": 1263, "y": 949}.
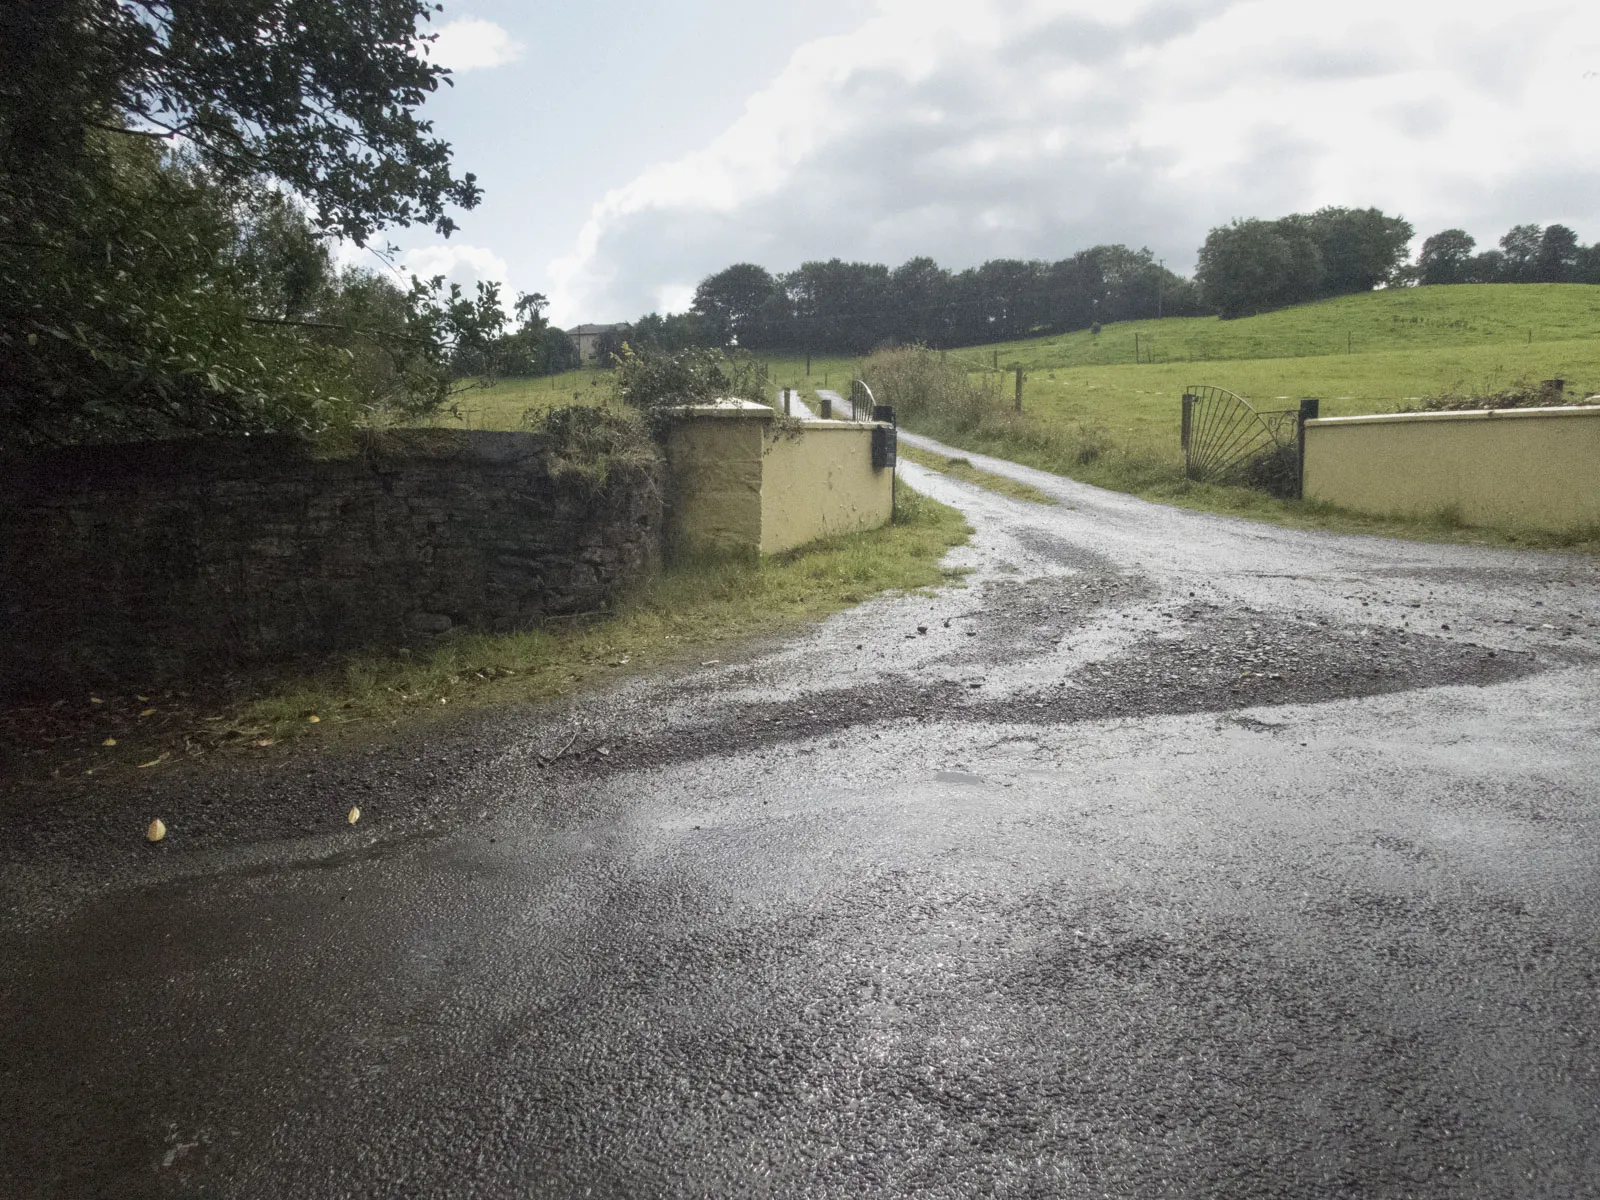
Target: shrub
{"x": 919, "y": 384}
{"x": 593, "y": 442}
{"x": 1521, "y": 394}
{"x": 655, "y": 381}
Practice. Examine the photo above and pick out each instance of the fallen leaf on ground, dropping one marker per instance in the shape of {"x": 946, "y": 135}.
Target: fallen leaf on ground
{"x": 149, "y": 712}
{"x": 109, "y": 742}
{"x": 157, "y": 830}
{"x": 314, "y": 719}
{"x": 353, "y": 816}
{"x": 154, "y": 761}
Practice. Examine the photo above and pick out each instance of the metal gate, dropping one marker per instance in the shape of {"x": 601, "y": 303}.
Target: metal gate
{"x": 1226, "y": 440}
{"x": 861, "y": 401}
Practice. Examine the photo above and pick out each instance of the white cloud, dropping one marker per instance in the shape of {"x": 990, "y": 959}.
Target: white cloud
{"x": 470, "y": 44}
{"x": 466, "y": 265}
{"x": 975, "y": 129}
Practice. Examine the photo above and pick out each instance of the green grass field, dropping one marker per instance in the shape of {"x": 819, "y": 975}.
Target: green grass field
{"x": 505, "y": 403}
{"x": 1429, "y": 318}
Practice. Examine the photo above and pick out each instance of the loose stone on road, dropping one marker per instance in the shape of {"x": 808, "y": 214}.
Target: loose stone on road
{"x": 1172, "y": 855}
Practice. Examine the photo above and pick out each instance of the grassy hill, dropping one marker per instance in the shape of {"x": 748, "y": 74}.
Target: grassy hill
{"x": 1426, "y": 318}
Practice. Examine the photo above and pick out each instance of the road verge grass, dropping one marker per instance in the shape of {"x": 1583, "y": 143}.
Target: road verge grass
{"x": 1087, "y": 455}
{"x": 962, "y": 469}
{"x": 691, "y": 612}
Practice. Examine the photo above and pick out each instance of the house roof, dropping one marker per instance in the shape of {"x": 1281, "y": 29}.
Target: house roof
{"x": 577, "y": 329}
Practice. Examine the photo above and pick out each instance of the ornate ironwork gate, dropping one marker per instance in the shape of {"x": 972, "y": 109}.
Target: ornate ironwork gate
{"x": 861, "y": 401}
{"x": 1226, "y": 440}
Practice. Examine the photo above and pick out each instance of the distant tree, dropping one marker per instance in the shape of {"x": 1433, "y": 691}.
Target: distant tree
{"x": 732, "y": 303}
{"x": 1558, "y": 257}
{"x": 1252, "y": 265}
{"x": 840, "y": 306}
{"x": 1359, "y": 248}
{"x": 521, "y": 353}
{"x": 1445, "y": 256}
{"x": 1012, "y": 297}
{"x": 558, "y": 353}
{"x": 1181, "y": 297}
{"x": 1588, "y": 265}
{"x": 1521, "y": 249}
{"x": 919, "y": 299}
{"x": 1487, "y": 267}
{"x": 1133, "y": 286}
{"x": 608, "y": 346}
{"x": 673, "y": 332}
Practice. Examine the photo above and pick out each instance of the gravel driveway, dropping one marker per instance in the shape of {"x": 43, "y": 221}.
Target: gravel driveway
{"x": 1171, "y": 855}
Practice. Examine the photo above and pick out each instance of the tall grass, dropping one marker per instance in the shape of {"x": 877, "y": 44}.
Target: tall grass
{"x": 940, "y": 397}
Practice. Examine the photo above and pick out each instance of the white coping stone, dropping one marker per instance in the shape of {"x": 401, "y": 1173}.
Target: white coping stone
{"x": 1473, "y": 414}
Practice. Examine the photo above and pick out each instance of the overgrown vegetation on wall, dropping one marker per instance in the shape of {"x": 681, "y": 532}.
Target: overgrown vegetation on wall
{"x": 653, "y": 382}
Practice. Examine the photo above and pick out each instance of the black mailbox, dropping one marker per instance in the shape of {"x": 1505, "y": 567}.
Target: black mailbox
{"x": 885, "y": 445}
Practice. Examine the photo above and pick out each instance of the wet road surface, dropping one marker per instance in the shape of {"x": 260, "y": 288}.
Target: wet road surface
{"x": 1172, "y": 855}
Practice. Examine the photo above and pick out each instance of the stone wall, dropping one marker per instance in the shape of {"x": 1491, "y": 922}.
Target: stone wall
{"x": 135, "y": 564}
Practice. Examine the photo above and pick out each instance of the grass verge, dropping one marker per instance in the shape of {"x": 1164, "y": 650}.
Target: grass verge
{"x": 691, "y": 612}
{"x": 962, "y": 469}
{"x": 1086, "y": 455}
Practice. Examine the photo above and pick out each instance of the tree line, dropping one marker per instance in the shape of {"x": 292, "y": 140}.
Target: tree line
{"x": 1244, "y": 267}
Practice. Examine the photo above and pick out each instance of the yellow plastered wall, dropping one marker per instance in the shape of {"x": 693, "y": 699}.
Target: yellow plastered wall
{"x": 714, "y": 461}
{"x": 1532, "y": 468}
{"x": 818, "y": 481}
{"x": 742, "y": 481}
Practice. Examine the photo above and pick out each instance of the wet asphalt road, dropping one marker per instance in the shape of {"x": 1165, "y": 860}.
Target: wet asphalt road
{"x": 1179, "y": 856}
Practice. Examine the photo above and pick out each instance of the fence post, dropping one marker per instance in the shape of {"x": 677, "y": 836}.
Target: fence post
{"x": 826, "y": 407}
{"x": 997, "y": 360}
{"x": 1135, "y": 347}
{"x": 1019, "y": 389}
{"x": 1188, "y": 424}
{"x": 786, "y": 402}
{"x": 1309, "y": 407}
{"x": 808, "y": 366}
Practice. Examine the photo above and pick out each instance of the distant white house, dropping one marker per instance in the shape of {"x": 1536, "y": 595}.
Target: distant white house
{"x": 587, "y": 339}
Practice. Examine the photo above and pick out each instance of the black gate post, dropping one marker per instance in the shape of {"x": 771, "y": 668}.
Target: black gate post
{"x": 886, "y": 452}
{"x": 1309, "y": 407}
{"x": 1188, "y": 427}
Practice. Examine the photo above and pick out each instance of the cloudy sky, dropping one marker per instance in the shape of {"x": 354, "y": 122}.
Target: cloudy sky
{"x": 628, "y": 149}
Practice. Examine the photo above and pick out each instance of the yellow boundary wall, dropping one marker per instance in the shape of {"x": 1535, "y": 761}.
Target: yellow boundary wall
{"x": 740, "y": 480}
{"x": 1526, "y": 468}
